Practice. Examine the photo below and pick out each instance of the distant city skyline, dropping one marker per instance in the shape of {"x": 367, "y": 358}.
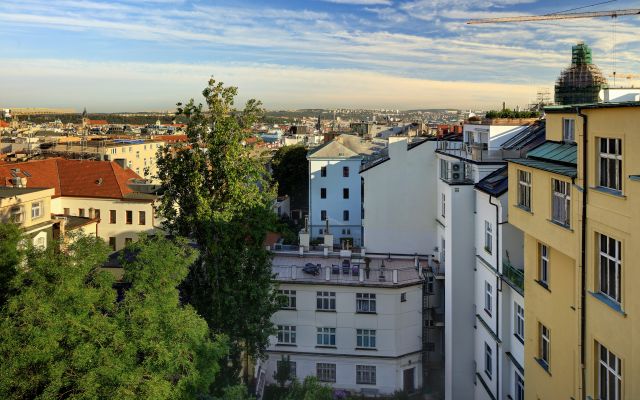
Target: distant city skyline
{"x": 126, "y": 55}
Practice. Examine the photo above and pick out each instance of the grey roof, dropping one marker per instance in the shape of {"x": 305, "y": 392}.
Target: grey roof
{"x": 572, "y": 108}
{"x": 346, "y": 146}
{"x": 555, "y": 168}
{"x": 531, "y": 136}
{"x": 7, "y": 191}
{"x": 496, "y": 183}
{"x": 565, "y": 153}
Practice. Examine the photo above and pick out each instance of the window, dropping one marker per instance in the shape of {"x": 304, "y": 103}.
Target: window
{"x": 67, "y": 211}
{"x": 524, "y": 189}
{"x": 444, "y": 169}
{"x": 488, "y": 360}
{"x": 519, "y": 387}
{"x": 403, "y": 297}
{"x": 112, "y": 216}
{"x": 289, "y": 299}
{"x": 80, "y": 212}
{"x": 326, "y": 336}
{"x": 365, "y": 374}
{"x": 323, "y": 193}
{"x": 326, "y": 300}
{"x": 561, "y": 202}
{"x": 345, "y": 193}
{"x": 543, "y": 268}
{"x": 129, "y": 217}
{"x": 430, "y": 284}
{"x": 488, "y": 298}
{"x": 286, "y": 334}
{"x": 609, "y": 375}
{"x": 568, "y": 129}
{"x": 142, "y": 217}
{"x": 345, "y": 215}
{"x": 96, "y": 213}
{"x": 610, "y": 174}
{"x": 128, "y": 241}
{"x": 326, "y": 372}
{"x": 323, "y": 171}
{"x": 112, "y": 243}
{"x": 443, "y": 203}
{"x": 323, "y": 215}
{"x": 345, "y": 172}
{"x": 610, "y": 266}
{"x": 292, "y": 368}
{"x": 36, "y": 210}
{"x": 488, "y": 237}
{"x": 545, "y": 343}
{"x": 518, "y": 321}
{"x": 366, "y": 338}
{"x": 366, "y": 302}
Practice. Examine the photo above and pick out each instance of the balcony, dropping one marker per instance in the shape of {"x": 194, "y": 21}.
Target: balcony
{"x": 514, "y": 275}
{"x": 471, "y": 151}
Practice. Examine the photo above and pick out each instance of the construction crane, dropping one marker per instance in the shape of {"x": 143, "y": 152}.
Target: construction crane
{"x": 527, "y": 18}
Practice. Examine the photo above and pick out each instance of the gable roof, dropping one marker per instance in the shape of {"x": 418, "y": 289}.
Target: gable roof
{"x": 73, "y": 178}
{"x": 565, "y": 153}
{"x": 345, "y": 146}
{"x": 496, "y": 183}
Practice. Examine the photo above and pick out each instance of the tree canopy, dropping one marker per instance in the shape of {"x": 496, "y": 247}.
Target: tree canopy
{"x": 218, "y": 194}
{"x": 291, "y": 172}
{"x": 10, "y": 255}
{"x": 66, "y": 336}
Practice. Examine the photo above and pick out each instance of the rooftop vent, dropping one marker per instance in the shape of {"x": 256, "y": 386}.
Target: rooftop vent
{"x": 99, "y": 181}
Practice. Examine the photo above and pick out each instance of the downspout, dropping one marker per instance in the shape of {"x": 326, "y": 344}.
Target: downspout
{"x": 583, "y": 255}
{"x": 497, "y": 295}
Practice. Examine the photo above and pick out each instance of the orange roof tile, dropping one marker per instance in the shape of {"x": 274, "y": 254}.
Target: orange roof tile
{"x": 97, "y": 122}
{"x": 74, "y": 178}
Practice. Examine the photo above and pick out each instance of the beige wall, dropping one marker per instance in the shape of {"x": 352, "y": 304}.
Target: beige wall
{"x": 26, "y": 201}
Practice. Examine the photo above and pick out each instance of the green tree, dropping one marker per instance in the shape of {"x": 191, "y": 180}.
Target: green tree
{"x": 282, "y": 374}
{"x": 309, "y": 389}
{"x": 217, "y": 194}
{"x": 10, "y": 255}
{"x": 291, "y": 171}
{"x": 65, "y": 335}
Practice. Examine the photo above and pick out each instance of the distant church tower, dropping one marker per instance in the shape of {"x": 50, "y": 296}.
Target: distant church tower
{"x": 582, "y": 81}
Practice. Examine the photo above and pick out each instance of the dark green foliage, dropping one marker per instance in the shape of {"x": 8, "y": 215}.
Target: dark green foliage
{"x": 291, "y": 171}
{"x": 217, "y": 194}
{"x": 282, "y": 375}
{"x": 507, "y": 113}
{"x": 309, "y": 389}
{"x": 64, "y": 336}
{"x": 10, "y": 235}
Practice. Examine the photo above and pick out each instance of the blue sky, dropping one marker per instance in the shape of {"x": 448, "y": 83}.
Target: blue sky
{"x": 128, "y": 55}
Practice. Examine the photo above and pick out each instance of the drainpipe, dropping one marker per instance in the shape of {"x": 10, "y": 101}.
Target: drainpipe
{"x": 583, "y": 253}
{"x": 498, "y": 357}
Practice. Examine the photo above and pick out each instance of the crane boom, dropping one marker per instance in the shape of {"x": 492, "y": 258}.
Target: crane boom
{"x": 525, "y": 18}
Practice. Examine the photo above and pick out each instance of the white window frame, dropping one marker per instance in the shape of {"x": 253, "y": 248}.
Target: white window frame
{"x": 326, "y": 372}
{"x": 290, "y": 303}
{"x": 365, "y": 374}
{"x": 326, "y": 336}
{"x": 518, "y": 321}
{"x": 488, "y": 360}
{"x": 543, "y": 263}
{"x": 488, "y": 298}
{"x": 524, "y": 189}
{"x": 488, "y": 237}
{"x": 610, "y": 267}
{"x": 568, "y": 129}
{"x": 608, "y": 160}
{"x": 365, "y": 302}
{"x": 519, "y": 387}
{"x": 366, "y": 338}
{"x": 37, "y": 209}
{"x": 286, "y": 334}
{"x": 609, "y": 368}
{"x": 444, "y": 169}
{"x": 561, "y": 202}
{"x": 326, "y": 300}
{"x": 544, "y": 352}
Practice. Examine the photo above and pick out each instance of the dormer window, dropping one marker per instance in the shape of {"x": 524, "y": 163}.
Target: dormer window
{"x": 568, "y": 129}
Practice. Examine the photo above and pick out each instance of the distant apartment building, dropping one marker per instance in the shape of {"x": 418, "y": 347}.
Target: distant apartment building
{"x": 335, "y": 187}
{"x": 100, "y": 190}
{"x": 576, "y": 202}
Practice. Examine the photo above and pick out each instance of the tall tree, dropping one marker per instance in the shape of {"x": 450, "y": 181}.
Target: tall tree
{"x": 217, "y": 194}
{"x": 64, "y": 335}
{"x": 10, "y": 255}
{"x": 291, "y": 170}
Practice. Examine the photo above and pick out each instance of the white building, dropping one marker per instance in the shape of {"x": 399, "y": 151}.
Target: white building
{"x": 499, "y": 301}
{"x": 335, "y": 187}
{"x": 356, "y": 328}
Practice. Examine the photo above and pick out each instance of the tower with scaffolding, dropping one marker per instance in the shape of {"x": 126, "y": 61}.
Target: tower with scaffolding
{"x": 582, "y": 81}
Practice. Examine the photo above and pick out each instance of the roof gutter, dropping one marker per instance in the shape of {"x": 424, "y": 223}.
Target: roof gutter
{"x": 583, "y": 252}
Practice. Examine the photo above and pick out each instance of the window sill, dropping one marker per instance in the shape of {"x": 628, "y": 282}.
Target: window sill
{"x": 544, "y": 285}
{"x": 609, "y": 302}
{"x": 331, "y": 311}
{"x": 286, "y": 345}
{"x": 561, "y": 225}
{"x": 543, "y": 364}
{"x": 611, "y": 192}
{"x": 523, "y": 208}
{"x": 288, "y": 309}
{"x": 366, "y": 348}
{"x": 488, "y": 312}
{"x": 321, "y": 346}
{"x": 366, "y": 312}
{"x": 521, "y": 340}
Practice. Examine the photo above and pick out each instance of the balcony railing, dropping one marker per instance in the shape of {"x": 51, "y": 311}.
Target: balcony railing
{"x": 343, "y": 274}
{"x": 513, "y": 275}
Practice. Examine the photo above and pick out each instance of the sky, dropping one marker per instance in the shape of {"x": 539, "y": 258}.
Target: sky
{"x": 139, "y": 55}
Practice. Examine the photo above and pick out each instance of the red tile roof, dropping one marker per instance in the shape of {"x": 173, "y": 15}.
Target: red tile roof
{"x": 97, "y": 122}
{"x": 73, "y": 178}
{"x": 4, "y": 124}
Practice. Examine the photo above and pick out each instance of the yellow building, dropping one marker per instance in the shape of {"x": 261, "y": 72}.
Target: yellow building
{"x": 581, "y": 324}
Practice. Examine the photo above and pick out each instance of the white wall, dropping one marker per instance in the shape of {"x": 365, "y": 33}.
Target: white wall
{"x": 400, "y": 200}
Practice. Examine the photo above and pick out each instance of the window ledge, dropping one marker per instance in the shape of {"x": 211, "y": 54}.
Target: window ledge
{"x": 521, "y": 340}
{"x": 366, "y": 348}
{"x": 322, "y": 346}
{"x": 523, "y": 208}
{"x": 609, "y": 302}
{"x": 544, "y": 285}
{"x": 288, "y": 309}
{"x": 561, "y": 225}
{"x": 366, "y": 312}
{"x": 286, "y": 345}
{"x": 488, "y": 313}
{"x": 543, "y": 364}
{"x": 610, "y": 192}
{"x": 319, "y": 310}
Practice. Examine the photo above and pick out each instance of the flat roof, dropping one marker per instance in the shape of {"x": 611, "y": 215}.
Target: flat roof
{"x": 573, "y": 107}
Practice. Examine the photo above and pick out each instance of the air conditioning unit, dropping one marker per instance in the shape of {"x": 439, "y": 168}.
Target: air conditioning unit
{"x": 457, "y": 171}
